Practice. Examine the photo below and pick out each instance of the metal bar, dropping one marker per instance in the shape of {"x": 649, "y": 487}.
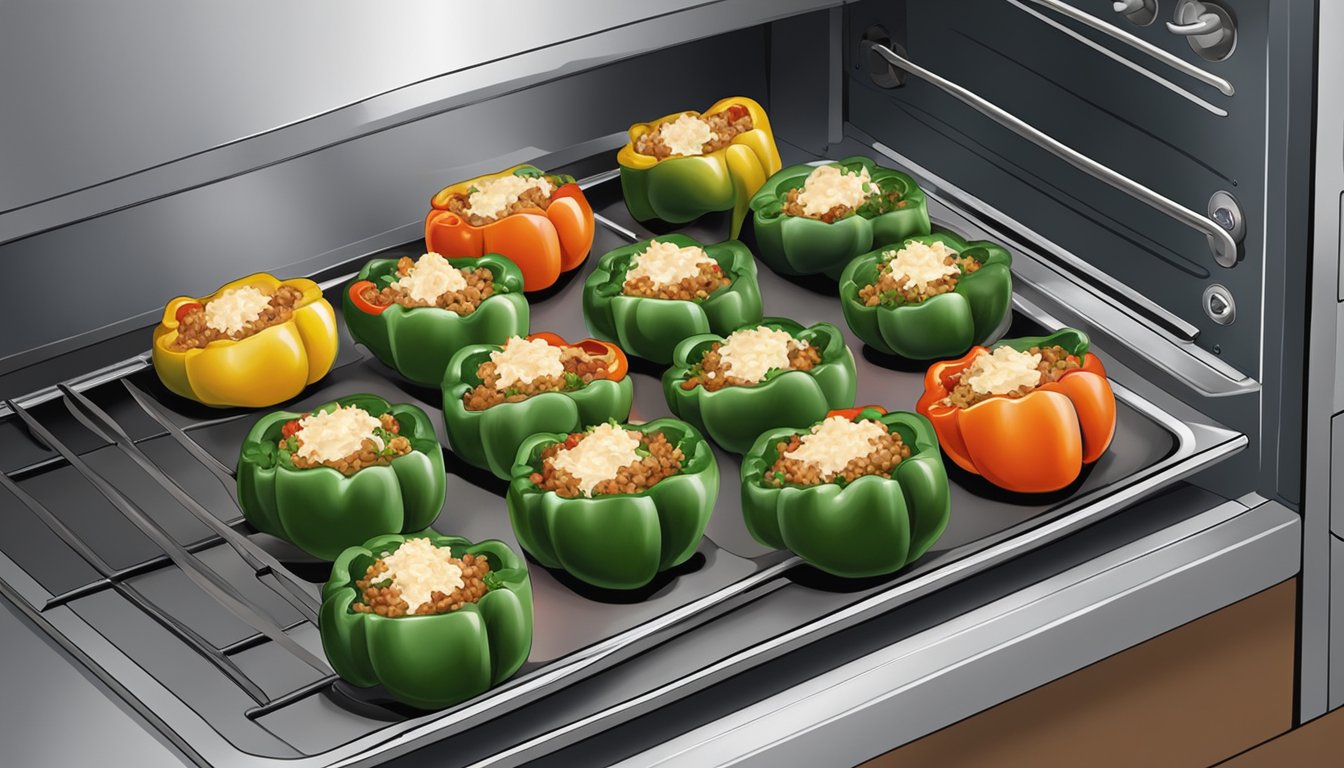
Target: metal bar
{"x": 1139, "y": 44}
{"x": 221, "y": 472}
{"x": 204, "y": 577}
{"x": 183, "y": 632}
{"x": 1224, "y": 247}
{"x": 261, "y": 563}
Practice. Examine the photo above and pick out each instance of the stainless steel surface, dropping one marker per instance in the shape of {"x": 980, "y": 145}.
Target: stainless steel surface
{"x": 1321, "y": 649}
{"x": 1141, "y": 12}
{"x": 1225, "y": 248}
{"x": 1209, "y": 27}
{"x": 997, "y": 651}
{"x": 1137, "y": 9}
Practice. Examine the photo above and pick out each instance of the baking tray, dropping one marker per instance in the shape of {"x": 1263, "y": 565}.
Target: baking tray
{"x": 578, "y": 630}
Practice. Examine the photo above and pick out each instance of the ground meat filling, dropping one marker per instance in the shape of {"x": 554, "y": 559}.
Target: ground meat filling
{"x": 653, "y": 460}
{"x": 370, "y": 453}
{"x": 665, "y": 270}
{"x": 480, "y": 286}
{"x": 723, "y": 127}
{"x": 886, "y": 452}
{"x": 380, "y": 595}
{"x": 714, "y": 373}
{"x": 194, "y": 333}
{"x": 707, "y": 279}
{"x": 891, "y": 289}
{"x": 580, "y": 369}
{"x": 1055, "y": 361}
{"x": 534, "y": 199}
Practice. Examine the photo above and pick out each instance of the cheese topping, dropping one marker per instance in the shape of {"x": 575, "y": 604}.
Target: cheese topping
{"x": 837, "y": 441}
{"x": 598, "y": 457}
{"x": 331, "y": 435}
{"x": 493, "y": 197}
{"x": 522, "y": 361}
{"x": 686, "y": 135}
{"x": 235, "y": 308}
{"x": 431, "y": 277}
{"x": 829, "y": 185}
{"x": 667, "y": 263}
{"x": 753, "y": 352}
{"x": 418, "y": 569}
{"x": 922, "y": 263}
{"x": 1002, "y": 371}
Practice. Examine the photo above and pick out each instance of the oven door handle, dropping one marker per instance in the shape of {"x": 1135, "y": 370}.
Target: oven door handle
{"x": 1221, "y": 242}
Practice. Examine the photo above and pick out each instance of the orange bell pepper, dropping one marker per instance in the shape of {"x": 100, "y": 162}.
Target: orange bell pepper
{"x": 1031, "y": 444}
{"x": 544, "y": 244}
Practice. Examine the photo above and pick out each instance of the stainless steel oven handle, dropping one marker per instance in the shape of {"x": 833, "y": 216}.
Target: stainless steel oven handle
{"x": 1139, "y": 44}
{"x": 1220, "y": 240}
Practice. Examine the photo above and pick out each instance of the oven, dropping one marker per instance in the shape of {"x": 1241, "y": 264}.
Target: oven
{"x": 1167, "y": 175}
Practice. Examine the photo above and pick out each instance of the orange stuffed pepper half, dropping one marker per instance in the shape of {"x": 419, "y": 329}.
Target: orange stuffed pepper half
{"x": 539, "y": 221}
{"x": 1027, "y": 415}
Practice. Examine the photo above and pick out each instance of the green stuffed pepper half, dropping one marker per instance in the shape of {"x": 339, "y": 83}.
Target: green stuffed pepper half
{"x": 346, "y": 471}
{"x": 413, "y": 315}
{"x": 494, "y": 395}
{"x": 861, "y": 493}
{"x": 650, "y": 295}
{"x": 933, "y": 297}
{"x": 434, "y": 619}
{"x": 772, "y": 374}
{"x": 616, "y": 504}
{"x": 812, "y": 219}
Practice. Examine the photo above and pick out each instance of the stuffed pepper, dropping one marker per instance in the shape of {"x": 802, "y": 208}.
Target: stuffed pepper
{"x": 614, "y": 504}
{"x": 435, "y": 619}
{"x": 680, "y": 167}
{"x": 1027, "y": 415}
{"x": 255, "y": 342}
{"x": 773, "y": 374}
{"x": 816, "y": 219}
{"x": 496, "y": 395}
{"x": 861, "y": 493}
{"x": 345, "y": 471}
{"x": 651, "y": 295}
{"x": 933, "y": 297}
{"x": 541, "y": 222}
{"x": 413, "y": 314}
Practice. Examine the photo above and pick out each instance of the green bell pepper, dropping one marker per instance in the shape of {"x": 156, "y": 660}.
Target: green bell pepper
{"x": 796, "y": 245}
{"x": 619, "y": 541}
{"x": 651, "y": 328}
{"x": 418, "y": 342}
{"x": 489, "y": 439}
{"x": 941, "y": 326}
{"x": 735, "y": 416}
{"x": 873, "y": 526}
{"x": 322, "y": 511}
{"x": 432, "y": 661}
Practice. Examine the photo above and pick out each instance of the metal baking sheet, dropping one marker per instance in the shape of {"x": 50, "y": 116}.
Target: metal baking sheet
{"x": 578, "y": 630}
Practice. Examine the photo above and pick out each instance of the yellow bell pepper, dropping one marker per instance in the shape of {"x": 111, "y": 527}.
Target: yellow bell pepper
{"x": 680, "y": 189}
{"x": 263, "y": 369}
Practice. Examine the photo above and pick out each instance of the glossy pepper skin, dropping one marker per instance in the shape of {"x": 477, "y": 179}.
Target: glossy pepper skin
{"x": 433, "y": 661}
{"x": 681, "y": 189}
{"x": 263, "y": 369}
{"x": 734, "y": 416}
{"x": 871, "y": 527}
{"x": 543, "y": 244}
{"x": 651, "y": 328}
{"x": 795, "y": 245}
{"x": 1032, "y": 444}
{"x": 419, "y": 341}
{"x": 322, "y": 511}
{"x": 941, "y": 326}
{"x": 490, "y": 438}
{"x": 620, "y": 541}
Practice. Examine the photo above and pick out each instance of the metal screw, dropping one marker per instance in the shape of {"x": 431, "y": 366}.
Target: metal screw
{"x": 1217, "y": 349}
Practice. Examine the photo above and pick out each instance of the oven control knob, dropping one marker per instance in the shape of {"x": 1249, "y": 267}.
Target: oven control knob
{"x": 1207, "y": 26}
{"x": 1141, "y": 12}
